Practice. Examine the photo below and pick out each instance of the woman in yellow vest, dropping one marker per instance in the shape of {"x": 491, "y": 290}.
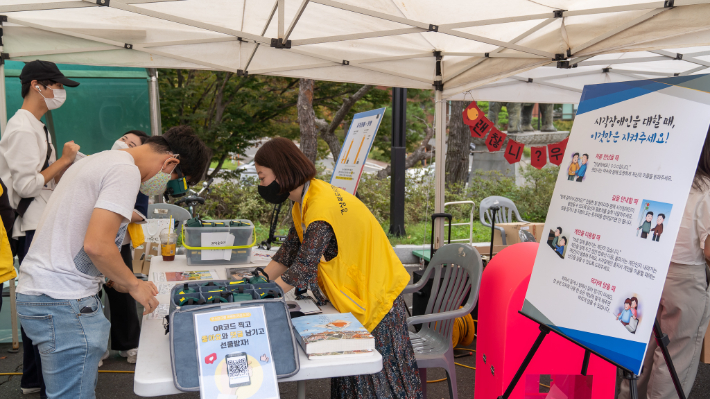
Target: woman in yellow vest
{"x": 338, "y": 250}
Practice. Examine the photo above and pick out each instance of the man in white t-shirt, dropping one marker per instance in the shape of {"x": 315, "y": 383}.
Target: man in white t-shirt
{"x": 76, "y": 247}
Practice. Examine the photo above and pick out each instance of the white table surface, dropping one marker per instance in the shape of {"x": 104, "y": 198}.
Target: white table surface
{"x": 153, "y": 376}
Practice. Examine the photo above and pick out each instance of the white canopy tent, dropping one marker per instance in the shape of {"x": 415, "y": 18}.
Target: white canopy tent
{"x": 549, "y": 84}
{"x": 453, "y": 46}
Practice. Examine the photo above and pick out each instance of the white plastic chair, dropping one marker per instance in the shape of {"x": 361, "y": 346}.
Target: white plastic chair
{"x": 470, "y": 222}
{"x": 458, "y": 267}
{"x": 504, "y": 214}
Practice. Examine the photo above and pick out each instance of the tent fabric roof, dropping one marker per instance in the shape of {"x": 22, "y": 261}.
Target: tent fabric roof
{"x": 381, "y": 42}
{"x": 554, "y": 85}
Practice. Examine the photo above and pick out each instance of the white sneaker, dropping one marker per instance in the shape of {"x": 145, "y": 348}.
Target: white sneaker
{"x": 104, "y": 357}
{"x": 27, "y": 391}
{"x": 131, "y": 354}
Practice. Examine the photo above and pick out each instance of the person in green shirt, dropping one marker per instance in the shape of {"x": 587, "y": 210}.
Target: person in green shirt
{"x": 646, "y": 226}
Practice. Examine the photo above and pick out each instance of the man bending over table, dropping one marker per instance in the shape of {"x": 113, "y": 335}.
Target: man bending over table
{"x": 76, "y": 248}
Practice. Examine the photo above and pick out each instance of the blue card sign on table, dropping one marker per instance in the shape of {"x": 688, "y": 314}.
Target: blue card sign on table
{"x": 358, "y": 142}
{"x": 615, "y": 213}
{"x": 235, "y": 355}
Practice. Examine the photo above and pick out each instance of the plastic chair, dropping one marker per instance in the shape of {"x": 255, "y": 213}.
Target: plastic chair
{"x": 458, "y": 267}
{"x": 164, "y": 211}
{"x": 504, "y": 214}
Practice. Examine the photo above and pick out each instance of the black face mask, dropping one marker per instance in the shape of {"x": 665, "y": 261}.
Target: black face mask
{"x": 271, "y": 193}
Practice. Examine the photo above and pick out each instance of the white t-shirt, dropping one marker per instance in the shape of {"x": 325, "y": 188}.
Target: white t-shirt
{"x": 56, "y": 264}
{"x": 694, "y": 229}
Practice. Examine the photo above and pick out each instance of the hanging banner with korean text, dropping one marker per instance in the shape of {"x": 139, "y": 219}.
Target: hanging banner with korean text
{"x": 615, "y": 213}
{"x": 358, "y": 142}
{"x": 538, "y": 156}
{"x": 234, "y": 352}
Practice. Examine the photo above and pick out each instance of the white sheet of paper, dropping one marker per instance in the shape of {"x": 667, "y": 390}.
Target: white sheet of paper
{"x": 216, "y": 240}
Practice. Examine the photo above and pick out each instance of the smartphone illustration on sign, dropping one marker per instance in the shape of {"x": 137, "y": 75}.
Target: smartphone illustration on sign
{"x": 238, "y": 369}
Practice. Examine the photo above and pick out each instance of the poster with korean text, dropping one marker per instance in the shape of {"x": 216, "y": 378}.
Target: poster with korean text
{"x": 615, "y": 213}
{"x": 351, "y": 161}
{"x": 235, "y": 355}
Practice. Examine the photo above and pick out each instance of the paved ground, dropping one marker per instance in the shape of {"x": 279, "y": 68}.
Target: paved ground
{"x": 120, "y": 386}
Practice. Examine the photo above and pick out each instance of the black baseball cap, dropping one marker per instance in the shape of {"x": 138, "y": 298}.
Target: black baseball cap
{"x": 44, "y": 70}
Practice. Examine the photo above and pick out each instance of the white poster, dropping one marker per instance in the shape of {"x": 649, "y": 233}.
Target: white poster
{"x": 351, "y": 161}
{"x": 615, "y": 213}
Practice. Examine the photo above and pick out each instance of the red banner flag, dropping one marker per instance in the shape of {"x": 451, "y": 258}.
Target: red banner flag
{"x": 514, "y": 151}
{"x": 495, "y": 140}
{"x": 481, "y": 127}
{"x": 538, "y": 156}
{"x": 472, "y": 114}
{"x": 557, "y": 151}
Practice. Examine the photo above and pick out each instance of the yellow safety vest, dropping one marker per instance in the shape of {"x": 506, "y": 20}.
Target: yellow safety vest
{"x": 366, "y": 276}
{"x": 7, "y": 270}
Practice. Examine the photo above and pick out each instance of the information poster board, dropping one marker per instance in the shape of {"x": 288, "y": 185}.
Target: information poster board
{"x": 616, "y": 211}
{"x": 235, "y": 355}
{"x": 358, "y": 142}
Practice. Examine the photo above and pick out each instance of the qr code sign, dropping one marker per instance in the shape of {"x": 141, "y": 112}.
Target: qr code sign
{"x": 238, "y": 367}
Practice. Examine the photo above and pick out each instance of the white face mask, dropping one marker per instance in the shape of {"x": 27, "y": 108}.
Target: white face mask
{"x": 60, "y": 95}
{"x": 120, "y": 145}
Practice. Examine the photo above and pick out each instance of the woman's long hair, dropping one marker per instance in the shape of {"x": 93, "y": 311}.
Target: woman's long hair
{"x": 702, "y": 173}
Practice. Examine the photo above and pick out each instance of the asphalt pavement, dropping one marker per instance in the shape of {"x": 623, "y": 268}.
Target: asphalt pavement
{"x": 120, "y": 385}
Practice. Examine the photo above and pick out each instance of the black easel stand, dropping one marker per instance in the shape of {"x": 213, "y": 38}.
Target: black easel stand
{"x": 661, "y": 339}
{"x": 493, "y": 209}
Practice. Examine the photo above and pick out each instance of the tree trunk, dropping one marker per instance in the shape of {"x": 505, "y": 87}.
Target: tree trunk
{"x": 458, "y": 148}
{"x": 307, "y": 120}
{"x": 218, "y": 168}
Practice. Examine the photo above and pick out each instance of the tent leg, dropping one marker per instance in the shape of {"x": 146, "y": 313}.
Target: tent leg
{"x": 156, "y": 129}
{"x": 13, "y": 318}
{"x": 3, "y": 100}
{"x": 439, "y": 168}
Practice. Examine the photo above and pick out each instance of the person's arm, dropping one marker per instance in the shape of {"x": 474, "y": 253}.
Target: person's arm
{"x": 285, "y": 256}
{"x": 303, "y": 272}
{"x": 135, "y": 217}
{"x": 100, "y": 246}
{"x": 57, "y": 169}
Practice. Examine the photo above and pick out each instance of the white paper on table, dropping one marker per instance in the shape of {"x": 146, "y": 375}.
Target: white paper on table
{"x": 160, "y": 312}
{"x": 306, "y": 303}
{"x": 223, "y": 239}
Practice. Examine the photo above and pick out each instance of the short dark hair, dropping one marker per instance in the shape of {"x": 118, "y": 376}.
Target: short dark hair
{"x": 141, "y": 135}
{"x": 26, "y": 86}
{"x": 195, "y": 156}
{"x": 628, "y": 300}
{"x": 291, "y": 166}
{"x": 575, "y": 154}
{"x": 649, "y": 213}
{"x": 662, "y": 215}
{"x": 560, "y": 229}
{"x": 585, "y": 155}
{"x": 562, "y": 238}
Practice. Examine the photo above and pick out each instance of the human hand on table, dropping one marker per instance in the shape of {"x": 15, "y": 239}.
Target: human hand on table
{"x": 144, "y": 293}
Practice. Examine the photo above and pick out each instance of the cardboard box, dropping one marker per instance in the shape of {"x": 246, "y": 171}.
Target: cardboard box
{"x": 512, "y": 231}
{"x": 153, "y": 250}
{"x": 138, "y": 258}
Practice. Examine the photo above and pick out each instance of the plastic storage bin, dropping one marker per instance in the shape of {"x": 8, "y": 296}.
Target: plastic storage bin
{"x": 241, "y": 247}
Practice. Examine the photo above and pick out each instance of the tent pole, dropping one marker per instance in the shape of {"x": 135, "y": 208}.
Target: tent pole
{"x": 439, "y": 157}
{"x": 155, "y": 126}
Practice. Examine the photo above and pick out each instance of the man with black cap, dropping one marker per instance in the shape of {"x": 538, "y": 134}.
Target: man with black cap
{"x": 30, "y": 170}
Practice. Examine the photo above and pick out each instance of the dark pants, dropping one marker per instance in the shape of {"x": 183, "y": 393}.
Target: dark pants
{"x": 656, "y": 237}
{"x": 125, "y": 325}
{"x": 31, "y": 361}
{"x": 644, "y": 234}
{"x": 579, "y": 178}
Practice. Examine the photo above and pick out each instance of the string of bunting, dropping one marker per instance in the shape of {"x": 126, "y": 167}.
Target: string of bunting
{"x": 480, "y": 126}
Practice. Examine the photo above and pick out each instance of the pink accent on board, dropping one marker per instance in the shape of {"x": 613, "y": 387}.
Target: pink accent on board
{"x": 505, "y": 336}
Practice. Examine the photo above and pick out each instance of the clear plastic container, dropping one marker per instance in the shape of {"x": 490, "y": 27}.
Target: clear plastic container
{"x": 243, "y": 236}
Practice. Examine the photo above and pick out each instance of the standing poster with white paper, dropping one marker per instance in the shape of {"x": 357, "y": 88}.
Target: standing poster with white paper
{"x": 616, "y": 211}
{"x": 234, "y": 352}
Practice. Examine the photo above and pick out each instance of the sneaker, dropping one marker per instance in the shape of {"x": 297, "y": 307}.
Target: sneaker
{"x": 27, "y": 391}
{"x": 131, "y": 354}
{"x": 104, "y": 357}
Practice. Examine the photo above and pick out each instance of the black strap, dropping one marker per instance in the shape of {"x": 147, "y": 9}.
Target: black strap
{"x": 25, "y": 202}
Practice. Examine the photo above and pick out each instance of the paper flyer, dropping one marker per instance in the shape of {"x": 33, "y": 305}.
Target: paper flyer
{"x": 616, "y": 211}
{"x": 235, "y": 355}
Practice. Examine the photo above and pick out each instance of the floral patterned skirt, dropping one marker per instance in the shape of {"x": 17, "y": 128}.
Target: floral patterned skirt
{"x": 399, "y": 377}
